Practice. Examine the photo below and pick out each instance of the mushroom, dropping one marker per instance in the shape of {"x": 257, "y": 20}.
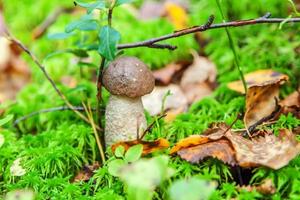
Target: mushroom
{"x": 127, "y": 79}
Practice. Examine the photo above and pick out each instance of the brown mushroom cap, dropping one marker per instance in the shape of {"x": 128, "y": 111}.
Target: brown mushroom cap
{"x": 128, "y": 76}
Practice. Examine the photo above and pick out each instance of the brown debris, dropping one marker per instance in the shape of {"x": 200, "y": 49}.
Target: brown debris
{"x": 86, "y": 173}
{"x": 148, "y": 146}
{"x": 267, "y": 150}
{"x": 165, "y": 75}
{"x": 220, "y": 149}
{"x": 199, "y": 79}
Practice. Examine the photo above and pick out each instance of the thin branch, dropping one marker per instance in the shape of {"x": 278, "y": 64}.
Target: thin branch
{"x": 61, "y": 108}
{"x": 261, "y": 20}
{"x": 43, "y": 69}
{"x": 148, "y": 129}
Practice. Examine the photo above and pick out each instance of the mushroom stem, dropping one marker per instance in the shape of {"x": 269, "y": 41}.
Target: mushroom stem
{"x": 124, "y": 117}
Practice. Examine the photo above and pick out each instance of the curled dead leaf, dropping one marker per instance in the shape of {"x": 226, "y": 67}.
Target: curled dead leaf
{"x": 166, "y": 74}
{"x": 199, "y": 78}
{"x": 260, "y": 102}
{"x": 148, "y": 146}
{"x": 267, "y": 150}
{"x": 263, "y": 90}
{"x": 220, "y": 149}
{"x": 258, "y": 78}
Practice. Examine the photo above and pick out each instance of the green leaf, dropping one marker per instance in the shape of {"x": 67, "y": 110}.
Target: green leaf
{"x": 77, "y": 52}
{"x": 119, "y": 152}
{"x": 82, "y": 24}
{"x": 86, "y": 64}
{"x": 115, "y": 166}
{"x": 109, "y": 38}
{"x": 192, "y": 189}
{"x": 2, "y": 139}
{"x": 92, "y": 6}
{"x": 59, "y": 36}
{"x": 6, "y": 120}
{"x": 134, "y": 153}
{"x": 120, "y": 2}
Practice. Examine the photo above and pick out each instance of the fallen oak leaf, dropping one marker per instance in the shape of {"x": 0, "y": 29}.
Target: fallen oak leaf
{"x": 209, "y": 135}
{"x": 269, "y": 151}
{"x": 258, "y": 78}
{"x": 260, "y": 102}
{"x": 148, "y": 146}
{"x": 292, "y": 99}
{"x": 263, "y": 90}
{"x": 165, "y": 75}
{"x": 220, "y": 149}
{"x": 199, "y": 79}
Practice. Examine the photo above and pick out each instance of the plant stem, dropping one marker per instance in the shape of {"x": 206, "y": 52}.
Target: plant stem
{"x": 92, "y": 122}
{"x": 236, "y": 60}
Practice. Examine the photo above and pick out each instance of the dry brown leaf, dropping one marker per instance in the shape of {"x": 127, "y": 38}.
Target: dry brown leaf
{"x": 198, "y": 78}
{"x": 270, "y": 151}
{"x": 267, "y": 187}
{"x": 176, "y": 14}
{"x": 263, "y": 89}
{"x": 209, "y": 135}
{"x": 153, "y": 101}
{"x": 148, "y": 146}
{"x": 86, "y": 173}
{"x": 292, "y": 100}
{"x": 220, "y": 149}
{"x": 14, "y": 73}
{"x": 260, "y": 102}
{"x": 165, "y": 75}
{"x": 258, "y": 78}
{"x": 174, "y": 10}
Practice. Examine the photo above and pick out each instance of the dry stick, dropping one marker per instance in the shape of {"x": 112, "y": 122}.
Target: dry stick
{"x": 262, "y": 20}
{"x": 150, "y": 126}
{"x": 43, "y": 69}
{"x": 50, "y": 19}
{"x": 60, "y": 108}
{"x": 92, "y": 122}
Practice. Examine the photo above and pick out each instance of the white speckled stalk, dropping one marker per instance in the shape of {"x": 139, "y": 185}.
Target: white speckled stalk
{"x": 122, "y": 117}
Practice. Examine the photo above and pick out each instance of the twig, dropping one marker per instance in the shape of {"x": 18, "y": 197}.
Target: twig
{"x": 261, "y": 20}
{"x": 43, "y": 69}
{"x": 50, "y": 19}
{"x": 150, "y": 126}
{"x": 61, "y": 108}
{"x": 92, "y": 122}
